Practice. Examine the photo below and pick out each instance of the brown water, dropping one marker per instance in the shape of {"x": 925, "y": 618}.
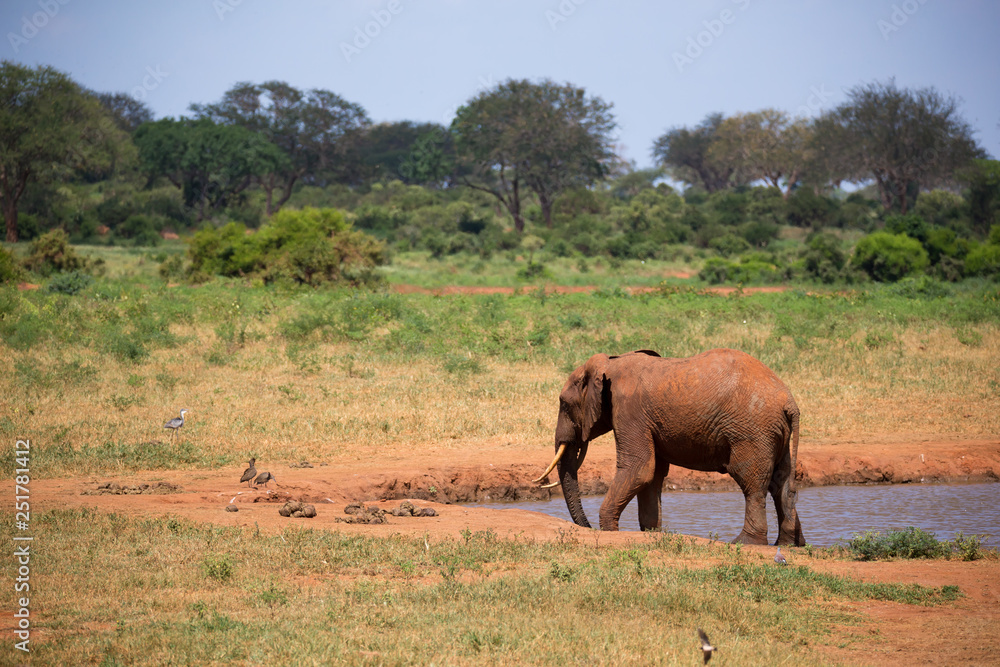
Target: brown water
{"x": 829, "y": 514}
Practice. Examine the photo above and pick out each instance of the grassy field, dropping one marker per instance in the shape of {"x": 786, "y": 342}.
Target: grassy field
{"x": 288, "y": 374}
{"x": 347, "y": 375}
{"x": 187, "y": 593}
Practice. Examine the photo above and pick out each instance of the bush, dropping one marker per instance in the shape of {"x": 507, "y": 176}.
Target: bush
{"x": 824, "y": 258}
{"x": 984, "y": 260}
{"x": 888, "y": 257}
{"x": 71, "y": 282}
{"x": 909, "y": 543}
{"x": 728, "y": 245}
{"x": 309, "y": 246}
{"x": 51, "y": 253}
{"x": 10, "y": 272}
{"x": 910, "y": 224}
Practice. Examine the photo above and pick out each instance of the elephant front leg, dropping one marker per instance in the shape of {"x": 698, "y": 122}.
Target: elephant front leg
{"x": 650, "y": 497}
{"x": 636, "y": 470}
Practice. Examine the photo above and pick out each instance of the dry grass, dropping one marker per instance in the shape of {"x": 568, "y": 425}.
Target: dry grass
{"x": 185, "y": 593}
{"x": 339, "y": 400}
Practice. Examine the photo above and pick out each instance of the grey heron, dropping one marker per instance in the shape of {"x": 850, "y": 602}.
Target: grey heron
{"x": 249, "y": 473}
{"x": 176, "y": 423}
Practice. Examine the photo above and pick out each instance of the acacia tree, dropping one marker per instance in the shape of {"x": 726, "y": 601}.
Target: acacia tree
{"x": 210, "y": 163}
{"x": 687, "y": 155}
{"x": 49, "y": 127}
{"x": 903, "y": 139}
{"x": 543, "y": 137}
{"x": 764, "y": 145}
{"x": 309, "y": 127}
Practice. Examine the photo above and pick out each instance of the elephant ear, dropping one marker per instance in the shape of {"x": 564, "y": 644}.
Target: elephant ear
{"x": 592, "y": 394}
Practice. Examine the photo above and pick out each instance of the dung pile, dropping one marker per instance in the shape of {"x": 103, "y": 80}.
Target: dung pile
{"x": 406, "y": 508}
{"x": 297, "y": 509}
{"x": 116, "y": 489}
{"x": 360, "y": 514}
{"x": 373, "y": 514}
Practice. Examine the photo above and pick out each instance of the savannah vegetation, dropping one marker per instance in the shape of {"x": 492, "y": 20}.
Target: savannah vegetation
{"x": 272, "y": 319}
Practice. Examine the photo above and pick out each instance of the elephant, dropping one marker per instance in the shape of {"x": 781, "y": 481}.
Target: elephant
{"x": 721, "y": 410}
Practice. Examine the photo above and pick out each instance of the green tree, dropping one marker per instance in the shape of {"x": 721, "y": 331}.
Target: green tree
{"x": 687, "y": 156}
{"x": 982, "y": 178}
{"x": 127, "y": 112}
{"x": 49, "y": 128}
{"x": 903, "y": 139}
{"x": 764, "y": 145}
{"x": 310, "y": 128}
{"x": 539, "y": 136}
{"x": 210, "y": 163}
{"x": 430, "y": 160}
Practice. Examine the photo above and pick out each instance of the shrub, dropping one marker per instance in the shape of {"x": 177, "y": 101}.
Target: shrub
{"x": 984, "y": 260}
{"x": 309, "y": 246}
{"x": 909, "y": 543}
{"x": 728, "y": 245}
{"x": 71, "y": 282}
{"x": 51, "y": 253}
{"x": 888, "y": 257}
{"x": 824, "y": 258}
{"x": 10, "y": 272}
{"x": 910, "y": 224}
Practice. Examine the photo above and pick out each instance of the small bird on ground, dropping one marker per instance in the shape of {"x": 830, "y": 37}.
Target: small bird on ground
{"x": 779, "y": 559}
{"x": 176, "y": 423}
{"x": 706, "y": 646}
{"x": 249, "y": 473}
{"x": 264, "y": 478}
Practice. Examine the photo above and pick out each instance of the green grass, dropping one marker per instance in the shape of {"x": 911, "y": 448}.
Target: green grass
{"x": 112, "y": 588}
{"x": 914, "y": 543}
{"x": 98, "y": 372}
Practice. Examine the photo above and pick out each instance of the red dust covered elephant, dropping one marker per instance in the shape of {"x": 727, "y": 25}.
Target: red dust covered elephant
{"x": 721, "y": 411}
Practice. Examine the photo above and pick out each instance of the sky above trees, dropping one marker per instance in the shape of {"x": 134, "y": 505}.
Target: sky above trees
{"x": 661, "y": 65}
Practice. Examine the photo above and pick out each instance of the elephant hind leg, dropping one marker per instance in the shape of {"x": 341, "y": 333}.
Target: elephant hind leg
{"x": 783, "y": 491}
{"x": 752, "y": 478}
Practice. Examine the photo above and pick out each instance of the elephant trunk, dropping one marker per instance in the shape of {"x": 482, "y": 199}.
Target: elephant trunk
{"x": 568, "y": 466}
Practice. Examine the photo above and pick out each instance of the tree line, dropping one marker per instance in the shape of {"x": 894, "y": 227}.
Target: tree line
{"x": 523, "y": 152}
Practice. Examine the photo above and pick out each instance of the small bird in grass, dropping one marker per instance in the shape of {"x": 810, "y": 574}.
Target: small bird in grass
{"x": 176, "y": 423}
{"x": 706, "y": 646}
{"x": 264, "y": 478}
{"x": 779, "y": 559}
{"x": 249, "y": 473}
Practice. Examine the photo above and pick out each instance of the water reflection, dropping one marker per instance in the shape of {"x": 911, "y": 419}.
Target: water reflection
{"x": 829, "y": 514}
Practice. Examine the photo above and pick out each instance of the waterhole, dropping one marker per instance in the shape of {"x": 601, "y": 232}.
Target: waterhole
{"x": 829, "y": 514}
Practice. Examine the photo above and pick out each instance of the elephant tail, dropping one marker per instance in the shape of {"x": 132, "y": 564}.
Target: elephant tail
{"x": 792, "y": 418}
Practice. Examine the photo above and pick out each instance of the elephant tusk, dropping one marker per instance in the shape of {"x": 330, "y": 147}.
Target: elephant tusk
{"x": 549, "y": 485}
{"x": 562, "y": 450}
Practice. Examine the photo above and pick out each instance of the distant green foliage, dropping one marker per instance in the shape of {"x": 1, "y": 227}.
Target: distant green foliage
{"x": 309, "y": 246}
{"x": 756, "y": 269}
{"x": 984, "y": 260}
{"x": 824, "y": 258}
{"x": 888, "y": 257}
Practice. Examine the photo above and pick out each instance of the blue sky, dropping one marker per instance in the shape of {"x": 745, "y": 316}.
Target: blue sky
{"x": 662, "y": 64}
